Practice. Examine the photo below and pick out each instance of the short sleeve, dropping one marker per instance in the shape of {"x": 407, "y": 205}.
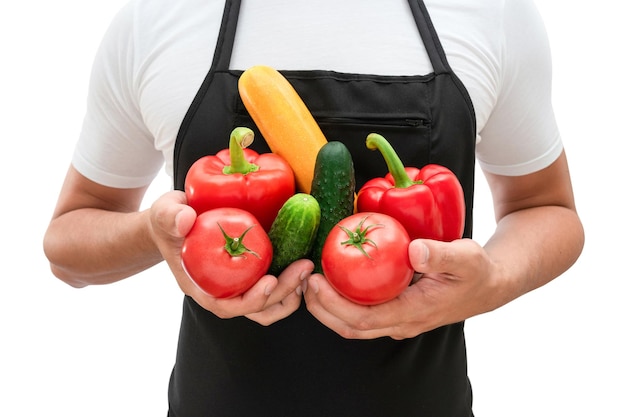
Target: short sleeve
{"x": 521, "y": 135}
{"x": 115, "y": 148}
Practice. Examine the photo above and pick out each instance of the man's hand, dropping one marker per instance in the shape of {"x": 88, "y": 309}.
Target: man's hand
{"x": 538, "y": 236}
{"x": 454, "y": 282}
{"x": 269, "y": 300}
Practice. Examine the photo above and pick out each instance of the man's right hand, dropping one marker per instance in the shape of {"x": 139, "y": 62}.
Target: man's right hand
{"x": 269, "y": 300}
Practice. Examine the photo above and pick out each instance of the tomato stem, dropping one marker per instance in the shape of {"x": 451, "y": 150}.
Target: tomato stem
{"x": 240, "y": 138}
{"x": 358, "y": 237}
{"x": 234, "y": 245}
{"x": 374, "y": 141}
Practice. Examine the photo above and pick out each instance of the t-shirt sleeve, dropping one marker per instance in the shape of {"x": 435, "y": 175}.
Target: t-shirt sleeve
{"x": 115, "y": 148}
{"x": 521, "y": 135}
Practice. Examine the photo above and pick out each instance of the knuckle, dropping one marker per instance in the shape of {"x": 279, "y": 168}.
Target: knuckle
{"x": 264, "y": 320}
{"x": 402, "y": 332}
{"x": 348, "y": 333}
{"x": 447, "y": 256}
{"x": 365, "y": 322}
{"x": 222, "y": 314}
{"x": 159, "y": 217}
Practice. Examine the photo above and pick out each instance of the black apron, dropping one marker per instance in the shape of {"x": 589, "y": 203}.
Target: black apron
{"x": 298, "y": 367}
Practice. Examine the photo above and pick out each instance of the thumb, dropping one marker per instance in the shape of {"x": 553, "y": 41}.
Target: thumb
{"x": 433, "y": 256}
{"x": 419, "y": 254}
{"x": 171, "y": 216}
{"x": 184, "y": 220}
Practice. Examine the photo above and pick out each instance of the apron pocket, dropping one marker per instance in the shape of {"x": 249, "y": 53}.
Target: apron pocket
{"x": 409, "y": 136}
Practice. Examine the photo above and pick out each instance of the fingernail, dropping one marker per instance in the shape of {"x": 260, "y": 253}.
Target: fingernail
{"x": 269, "y": 289}
{"x": 177, "y": 221}
{"x": 314, "y": 285}
{"x": 299, "y": 290}
{"x": 425, "y": 253}
{"x": 304, "y": 275}
{"x": 304, "y": 286}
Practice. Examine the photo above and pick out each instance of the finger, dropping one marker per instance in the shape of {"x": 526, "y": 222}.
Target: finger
{"x": 344, "y": 329}
{"x": 170, "y": 214}
{"x": 290, "y": 279}
{"x": 350, "y": 320}
{"x": 427, "y": 256}
{"x": 184, "y": 221}
{"x": 287, "y": 296}
{"x": 278, "y": 311}
{"x": 252, "y": 301}
{"x": 265, "y": 293}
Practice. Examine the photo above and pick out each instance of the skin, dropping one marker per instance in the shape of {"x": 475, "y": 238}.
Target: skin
{"x": 538, "y": 236}
{"x": 115, "y": 241}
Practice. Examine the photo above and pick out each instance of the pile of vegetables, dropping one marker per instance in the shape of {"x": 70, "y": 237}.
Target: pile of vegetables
{"x": 257, "y": 213}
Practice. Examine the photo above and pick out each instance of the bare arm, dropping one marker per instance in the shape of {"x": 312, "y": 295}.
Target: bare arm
{"x": 538, "y": 236}
{"x": 96, "y": 235}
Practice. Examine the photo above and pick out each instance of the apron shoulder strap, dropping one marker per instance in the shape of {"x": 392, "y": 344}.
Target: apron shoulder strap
{"x": 221, "y": 62}
{"x": 429, "y": 37}
{"x": 226, "y": 39}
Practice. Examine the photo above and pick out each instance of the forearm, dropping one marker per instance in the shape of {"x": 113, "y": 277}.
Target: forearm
{"x": 531, "y": 247}
{"x": 92, "y": 246}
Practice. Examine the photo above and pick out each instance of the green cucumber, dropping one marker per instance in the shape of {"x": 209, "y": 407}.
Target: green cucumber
{"x": 293, "y": 231}
{"x": 333, "y": 187}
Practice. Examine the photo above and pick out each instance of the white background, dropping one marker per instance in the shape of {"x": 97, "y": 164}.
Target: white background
{"x": 108, "y": 351}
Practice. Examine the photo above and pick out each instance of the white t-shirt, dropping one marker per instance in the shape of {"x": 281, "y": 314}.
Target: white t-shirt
{"x": 156, "y": 54}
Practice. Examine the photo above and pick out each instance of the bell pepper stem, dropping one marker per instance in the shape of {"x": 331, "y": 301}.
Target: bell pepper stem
{"x": 240, "y": 138}
{"x": 374, "y": 141}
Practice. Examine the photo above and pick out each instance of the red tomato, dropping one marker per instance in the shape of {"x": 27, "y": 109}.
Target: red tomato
{"x": 366, "y": 258}
{"x": 226, "y": 252}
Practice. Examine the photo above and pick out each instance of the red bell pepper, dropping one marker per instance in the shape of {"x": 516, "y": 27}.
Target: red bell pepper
{"x": 429, "y": 202}
{"x": 240, "y": 178}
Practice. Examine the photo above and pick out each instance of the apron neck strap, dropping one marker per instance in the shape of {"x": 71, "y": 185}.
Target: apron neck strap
{"x": 429, "y": 37}
{"x": 226, "y": 38}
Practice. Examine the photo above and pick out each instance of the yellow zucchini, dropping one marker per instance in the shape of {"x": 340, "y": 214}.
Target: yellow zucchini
{"x": 283, "y": 119}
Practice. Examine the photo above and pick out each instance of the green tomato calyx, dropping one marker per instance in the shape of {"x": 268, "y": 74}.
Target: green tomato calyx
{"x": 234, "y": 245}
{"x": 358, "y": 237}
